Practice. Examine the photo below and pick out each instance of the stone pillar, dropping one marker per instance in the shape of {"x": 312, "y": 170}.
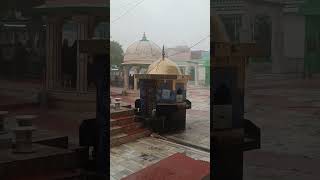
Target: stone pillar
{"x": 245, "y": 30}
{"x": 277, "y": 41}
{"x": 135, "y": 83}
{"x": 196, "y": 75}
{"x": 186, "y": 71}
{"x": 125, "y": 77}
{"x": 53, "y": 59}
{"x": 82, "y": 60}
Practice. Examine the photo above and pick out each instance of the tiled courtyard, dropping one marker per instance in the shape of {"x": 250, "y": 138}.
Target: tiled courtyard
{"x": 287, "y": 109}
{"x": 197, "y": 132}
{"x": 198, "y": 117}
{"x": 132, "y": 157}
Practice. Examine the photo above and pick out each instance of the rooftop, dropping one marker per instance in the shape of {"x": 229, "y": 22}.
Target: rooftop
{"x": 73, "y": 6}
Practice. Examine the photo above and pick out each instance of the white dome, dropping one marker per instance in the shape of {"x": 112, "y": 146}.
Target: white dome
{"x": 142, "y": 52}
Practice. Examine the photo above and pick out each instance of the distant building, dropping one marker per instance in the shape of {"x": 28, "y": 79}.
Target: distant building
{"x": 70, "y": 75}
{"x": 199, "y": 67}
{"x": 275, "y": 25}
{"x": 137, "y": 59}
{"x": 144, "y": 52}
{"x": 190, "y": 62}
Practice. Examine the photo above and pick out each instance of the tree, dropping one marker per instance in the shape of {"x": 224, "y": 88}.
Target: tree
{"x": 116, "y": 53}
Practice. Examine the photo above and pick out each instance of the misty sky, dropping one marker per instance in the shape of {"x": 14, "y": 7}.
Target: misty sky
{"x": 168, "y": 22}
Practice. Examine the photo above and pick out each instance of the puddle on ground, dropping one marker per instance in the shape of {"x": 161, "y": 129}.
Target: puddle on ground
{"x": 147, "y": 157}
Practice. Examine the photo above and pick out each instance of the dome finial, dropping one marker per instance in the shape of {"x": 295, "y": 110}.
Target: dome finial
{"x": 144, "y": 38}
{"x": 163, "y": 53}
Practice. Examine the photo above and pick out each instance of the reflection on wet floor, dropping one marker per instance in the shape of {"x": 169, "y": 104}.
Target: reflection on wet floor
{"x": 197, "y": 133}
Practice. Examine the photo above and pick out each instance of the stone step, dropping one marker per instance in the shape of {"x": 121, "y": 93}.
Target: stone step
{"x": 132, "y": 127}
{"x": 125, "y": 128}
{"x": 132, "y": 136}
{"x": 118, "y": 136}
{"x": 121, "y": 113}
{"x": 122, "y": 121}
{"x": 115, "y": 130}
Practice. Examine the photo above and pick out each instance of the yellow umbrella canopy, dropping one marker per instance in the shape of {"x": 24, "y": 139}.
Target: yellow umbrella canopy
{"x": 164, "y": 66}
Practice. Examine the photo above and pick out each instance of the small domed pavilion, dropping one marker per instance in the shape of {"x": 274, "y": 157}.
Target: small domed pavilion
{"x": 163, "y": 88}
{"x": 137, "y": 58}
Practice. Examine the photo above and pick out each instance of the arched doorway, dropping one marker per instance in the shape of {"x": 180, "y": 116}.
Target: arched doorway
{"x": 133, "y": 70}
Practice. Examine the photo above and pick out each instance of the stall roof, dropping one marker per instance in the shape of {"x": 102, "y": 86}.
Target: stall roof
{"x": 73, "y": 6}
{"x": 74, "y": 3}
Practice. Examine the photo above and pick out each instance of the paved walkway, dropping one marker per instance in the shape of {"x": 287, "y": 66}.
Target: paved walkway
{"x": 132, "y": 157}
{"x": 287, "y": 110}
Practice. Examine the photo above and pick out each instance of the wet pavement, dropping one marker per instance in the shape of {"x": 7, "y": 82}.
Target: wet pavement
{"x": 287, "y": 110}
{"x": 197, "y": 133}
{"x": 132, "y": 157}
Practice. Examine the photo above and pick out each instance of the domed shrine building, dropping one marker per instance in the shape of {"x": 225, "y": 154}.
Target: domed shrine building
{"x": 69, "y": 74}
{"x": 137, "y": 58}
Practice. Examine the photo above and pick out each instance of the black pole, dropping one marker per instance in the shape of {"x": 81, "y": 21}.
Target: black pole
{"x": 225, "y": 140}
{"x": 102, "y": 75}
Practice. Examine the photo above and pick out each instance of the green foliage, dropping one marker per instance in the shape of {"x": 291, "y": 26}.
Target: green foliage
{"x": 116, "y": 53}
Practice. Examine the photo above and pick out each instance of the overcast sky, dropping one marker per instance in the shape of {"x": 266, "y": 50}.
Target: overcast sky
{"x": 168, "y": 22}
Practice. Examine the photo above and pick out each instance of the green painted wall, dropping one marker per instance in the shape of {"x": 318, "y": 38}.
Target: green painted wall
{"x": 206, "y": 63}
{"x": 312, "y": 40}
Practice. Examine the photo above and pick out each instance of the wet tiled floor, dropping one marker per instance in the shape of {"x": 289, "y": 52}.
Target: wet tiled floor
{"x": 286, "y": 109}
{"x": 197, "y": 131}
{"x": 132, "y": 157}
